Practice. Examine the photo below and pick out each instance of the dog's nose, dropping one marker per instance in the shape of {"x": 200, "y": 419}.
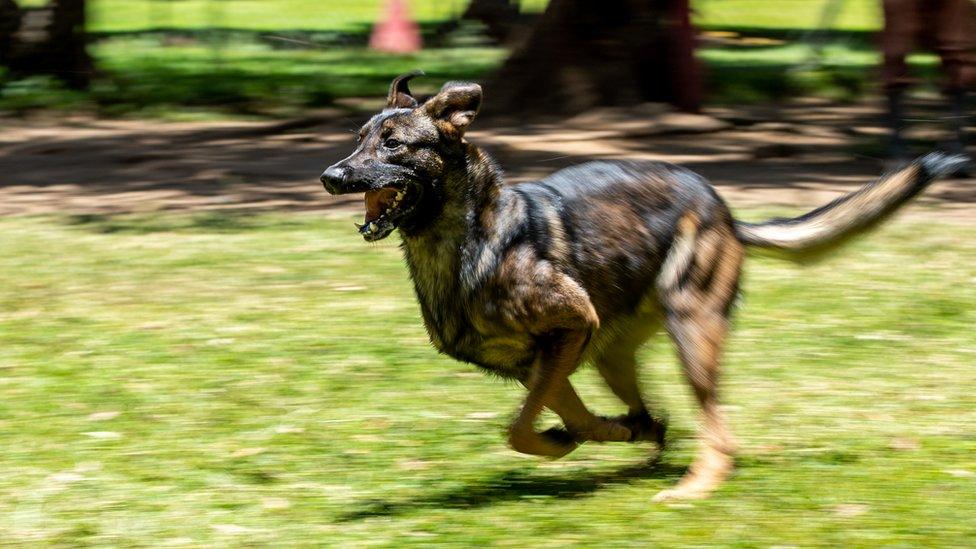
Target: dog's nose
{"x": 333, "y": 178}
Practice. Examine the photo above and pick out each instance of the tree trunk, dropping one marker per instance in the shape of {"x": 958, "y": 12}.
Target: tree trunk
{"x": 68, "y": 56}
{"x": 584, "y": 53}
{"x": 498, "y": 16}
{"x": 49, "y": 40}
{"x": 10, "y": 18}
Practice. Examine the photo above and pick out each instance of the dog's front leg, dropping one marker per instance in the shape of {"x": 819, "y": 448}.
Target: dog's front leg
{"x": 581, "y": 424}
{"x": 561, "y": 352}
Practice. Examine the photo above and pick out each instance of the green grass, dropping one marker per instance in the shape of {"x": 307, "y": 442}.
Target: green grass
{"x": 108, "y": 16}
{"x": 207, "y": 58}
{"x": 265, "y": 381}
{"x": 852, "y": 15}
{"x": 259, "y": 80}
{"x": 129, "y": 15}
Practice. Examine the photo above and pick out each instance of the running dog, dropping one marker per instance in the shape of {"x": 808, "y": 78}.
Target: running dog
{"x": 529, "y": 280}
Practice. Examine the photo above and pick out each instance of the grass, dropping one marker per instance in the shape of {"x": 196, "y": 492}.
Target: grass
{"x": 114, "y": 16}
{"x": 245, "y": 78}
{"x": 209, "y": 58}
{"x": 801, "y": 15}
{"x": 264, "y": 380}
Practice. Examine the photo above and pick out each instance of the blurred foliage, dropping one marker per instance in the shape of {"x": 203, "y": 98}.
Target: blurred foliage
{"x": 256, "y": 380}
{"x": 179, "y": 58}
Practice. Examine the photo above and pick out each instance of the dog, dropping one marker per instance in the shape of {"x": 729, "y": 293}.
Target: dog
{"x": 530, "y": 280}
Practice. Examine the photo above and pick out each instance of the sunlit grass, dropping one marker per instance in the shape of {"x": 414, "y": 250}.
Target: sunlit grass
{"x": 206, "y": 58}
{"x": 266, "y": 380}
{"x": 136, "y": 15}
{"x": 144, "y": 78}
{"x": 140, "y": 15}
{"x": 851, "y": 15}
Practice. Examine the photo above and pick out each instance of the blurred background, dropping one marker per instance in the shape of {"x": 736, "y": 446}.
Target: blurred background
{"x": 197, "y": 348}
{"x": 275, "y": 56}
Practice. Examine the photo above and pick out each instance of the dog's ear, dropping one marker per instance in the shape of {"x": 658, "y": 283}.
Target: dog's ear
{"x": 399, "y": 96}
{"x": 454, "y": 107}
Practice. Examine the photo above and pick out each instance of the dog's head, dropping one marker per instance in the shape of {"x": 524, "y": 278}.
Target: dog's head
{"x": 404, "y": 154}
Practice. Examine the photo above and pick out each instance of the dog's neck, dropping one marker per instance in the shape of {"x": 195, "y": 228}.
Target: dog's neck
{"x": 438, "y": 252}
{"x": 469, "y": 187}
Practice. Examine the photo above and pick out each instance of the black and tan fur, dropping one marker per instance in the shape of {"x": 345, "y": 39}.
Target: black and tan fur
{"x": 531, "y": 280}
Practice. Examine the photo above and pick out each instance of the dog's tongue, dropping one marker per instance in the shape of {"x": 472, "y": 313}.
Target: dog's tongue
{"x": 377, "y": 202}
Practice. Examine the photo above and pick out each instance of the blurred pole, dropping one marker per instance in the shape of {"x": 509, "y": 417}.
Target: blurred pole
{"x": 215, "y": 17}
{"x": 817, "y": 37}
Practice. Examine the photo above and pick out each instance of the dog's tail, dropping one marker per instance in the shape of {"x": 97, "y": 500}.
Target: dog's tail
{"x": 808, "y": 236}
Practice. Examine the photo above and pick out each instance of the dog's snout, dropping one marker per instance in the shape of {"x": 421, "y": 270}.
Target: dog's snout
{"x": 334, "y": 177}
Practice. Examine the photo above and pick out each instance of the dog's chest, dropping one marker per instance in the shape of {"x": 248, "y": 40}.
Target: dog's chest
{"x": 506, "y": 353}
{"x": 459, "y": 321}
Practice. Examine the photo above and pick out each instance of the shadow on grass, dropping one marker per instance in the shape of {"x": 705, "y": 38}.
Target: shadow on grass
{"x": 514, "y": 485}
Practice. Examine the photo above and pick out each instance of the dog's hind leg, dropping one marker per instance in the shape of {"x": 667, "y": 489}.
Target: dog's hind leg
{"x": 618, "y": 367}
{"x": 699, "y": 339}
{"x": 697, "y": 299}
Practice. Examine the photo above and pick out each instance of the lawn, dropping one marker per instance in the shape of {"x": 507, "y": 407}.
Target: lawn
{"x": 106, "y": 16}
{"x": 189, "y": 380}
{"x": 193, "y": 58}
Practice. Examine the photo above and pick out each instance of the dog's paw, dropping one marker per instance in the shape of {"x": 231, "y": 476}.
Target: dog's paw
{"x": 554, "y": 443}
{"x": 604, "y": 430}
{"x": 560, "y": 441}
{"x": 710, "y": 468}
{"x": 680, "y": 494}
{"x": 558, "y": 435}
{"x": 643, "y": 427}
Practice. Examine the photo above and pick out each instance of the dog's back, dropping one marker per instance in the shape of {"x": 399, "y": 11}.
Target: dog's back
{"x": 612, "y": 224}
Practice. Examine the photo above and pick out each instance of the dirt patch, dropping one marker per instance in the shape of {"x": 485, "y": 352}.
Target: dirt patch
{"x": 795, "y": 155}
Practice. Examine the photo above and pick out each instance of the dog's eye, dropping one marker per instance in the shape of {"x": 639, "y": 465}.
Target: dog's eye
{"x": 391, "y": 143}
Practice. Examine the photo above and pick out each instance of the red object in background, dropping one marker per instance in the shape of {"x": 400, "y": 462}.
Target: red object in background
{"x": 685, "y": 69}
{"x": 396, "y": 33}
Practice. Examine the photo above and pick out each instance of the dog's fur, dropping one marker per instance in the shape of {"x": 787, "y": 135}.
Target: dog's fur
{"x": 530, "y": 280}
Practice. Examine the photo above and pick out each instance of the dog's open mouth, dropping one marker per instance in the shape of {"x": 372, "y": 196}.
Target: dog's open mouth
{"x": 383, "y": 208}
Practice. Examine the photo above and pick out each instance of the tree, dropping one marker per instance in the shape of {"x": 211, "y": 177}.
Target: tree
{"x": 498, "y": 16}
{"x": 584, "y": 53}
{"x": 49, "y": 40}
{"x": 10, "y": 21}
